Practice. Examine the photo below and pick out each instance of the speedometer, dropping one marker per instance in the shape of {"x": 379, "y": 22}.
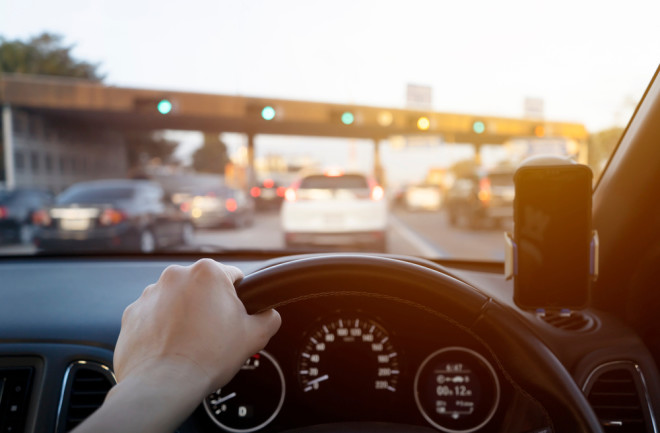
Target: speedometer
{"x": 348, "y": 356}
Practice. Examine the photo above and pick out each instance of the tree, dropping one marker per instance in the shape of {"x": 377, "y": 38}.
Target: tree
{"x": 45, "y": 54}
{"x": 145, "y": 146}
{"x": 212, "y": 156}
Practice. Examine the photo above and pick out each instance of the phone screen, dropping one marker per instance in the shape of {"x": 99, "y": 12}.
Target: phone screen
{"x": 552, "y": 215}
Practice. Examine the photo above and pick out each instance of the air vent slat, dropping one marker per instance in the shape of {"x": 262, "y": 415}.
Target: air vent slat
{"x": 574, "y": 321}
{"x": 614, "y": 396}
{"x": 87, "y": 386}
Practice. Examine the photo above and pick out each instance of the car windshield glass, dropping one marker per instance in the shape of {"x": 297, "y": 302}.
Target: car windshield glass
{"x": 305, "y": 126}
{"x": 95, "y": 195}
{"x": 338, "y": 182}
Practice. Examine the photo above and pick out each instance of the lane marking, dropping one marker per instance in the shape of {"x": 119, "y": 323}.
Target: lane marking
{"x": 426, "y": 248}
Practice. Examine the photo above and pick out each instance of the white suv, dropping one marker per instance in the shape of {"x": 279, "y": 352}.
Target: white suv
{"x": 335, "y": 208}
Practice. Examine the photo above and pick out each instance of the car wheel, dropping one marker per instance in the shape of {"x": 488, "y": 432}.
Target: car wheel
{"x": 187, "y": 234}
{"x": 147, "y": 242}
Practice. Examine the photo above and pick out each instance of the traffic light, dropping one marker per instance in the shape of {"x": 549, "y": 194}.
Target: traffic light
{"x": 151, "y": 105}
{"x": 268, "y": 113}
{"x": 479, "y": 127}
{"x": 423, "y": 123}
{"x": 164, "y": 106}
{"x": 539, "y": 131}
{"x": 347, "y": 118}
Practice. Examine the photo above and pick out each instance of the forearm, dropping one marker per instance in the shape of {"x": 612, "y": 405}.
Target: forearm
{"x": 155, "y": 401}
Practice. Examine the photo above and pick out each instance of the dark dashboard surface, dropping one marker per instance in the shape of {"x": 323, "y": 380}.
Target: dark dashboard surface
{"x": 59, "y": 310}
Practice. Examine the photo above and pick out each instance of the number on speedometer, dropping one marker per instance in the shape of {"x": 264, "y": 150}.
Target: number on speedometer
{"x": 348, "y": 354}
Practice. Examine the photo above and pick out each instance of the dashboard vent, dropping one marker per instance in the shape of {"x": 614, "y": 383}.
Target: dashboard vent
{"x": 15, "y": 385}
{"x": 617, "y": 394}
{"x": 573, "y": 321}
{"x": 85, "y": 386}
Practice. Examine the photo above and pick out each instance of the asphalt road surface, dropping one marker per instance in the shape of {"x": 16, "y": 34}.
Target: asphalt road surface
{"x": 425, "y": 234}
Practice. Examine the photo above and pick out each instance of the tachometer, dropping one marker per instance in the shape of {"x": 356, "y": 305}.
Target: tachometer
{"x": 252, "y": 399}
{"x": 349, "y": 357}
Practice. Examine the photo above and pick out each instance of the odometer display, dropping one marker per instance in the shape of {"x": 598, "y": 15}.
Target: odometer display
{"x": 349, "y": 356}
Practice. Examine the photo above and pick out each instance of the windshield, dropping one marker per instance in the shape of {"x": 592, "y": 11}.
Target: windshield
{"x": 302, "y": 126}
{"x": 95, "y": 195}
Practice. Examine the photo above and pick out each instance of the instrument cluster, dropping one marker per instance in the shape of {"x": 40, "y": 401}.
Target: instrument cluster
{"x": 351, "y": 365}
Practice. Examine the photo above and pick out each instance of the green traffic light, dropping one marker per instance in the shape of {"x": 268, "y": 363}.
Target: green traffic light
{"x": 347, "y": 118}
{"x": 479, "y": 127}
{"x": 164, "y": 106}
{"x": 268, "y": 113}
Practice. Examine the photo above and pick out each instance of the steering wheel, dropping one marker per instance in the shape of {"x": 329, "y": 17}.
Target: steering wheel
{"x": 522, "y": 357}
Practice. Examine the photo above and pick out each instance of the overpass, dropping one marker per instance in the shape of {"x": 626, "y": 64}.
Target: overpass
{"x": 81, "y": 103}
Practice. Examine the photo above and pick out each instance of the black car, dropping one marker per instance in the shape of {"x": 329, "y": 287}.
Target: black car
{"x": 481, "y": 199}
{"x": 16, "y": 209}
{"x": 131, "y": 215}
{"x": 268, "y": 194}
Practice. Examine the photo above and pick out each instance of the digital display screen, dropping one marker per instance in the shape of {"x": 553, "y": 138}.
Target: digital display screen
{"x": 552, "y": 215}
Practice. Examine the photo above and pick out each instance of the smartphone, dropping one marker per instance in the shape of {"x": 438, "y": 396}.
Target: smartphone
{"x": 552, "y": 232}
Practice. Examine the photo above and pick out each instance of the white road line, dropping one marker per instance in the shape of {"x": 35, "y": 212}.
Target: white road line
{"x": 425, "y": 248}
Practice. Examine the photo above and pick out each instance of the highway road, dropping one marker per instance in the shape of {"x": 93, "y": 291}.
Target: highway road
{"x": 424, "y": 234}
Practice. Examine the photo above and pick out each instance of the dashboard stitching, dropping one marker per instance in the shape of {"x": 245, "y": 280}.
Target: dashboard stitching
{"x": 429, "y": 310}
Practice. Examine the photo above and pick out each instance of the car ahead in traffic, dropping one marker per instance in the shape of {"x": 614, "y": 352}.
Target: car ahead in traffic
{"x": 422, "y": 197}
{"x": 221, "y": 206}
{"x": 268, "y": 194}
{"x": 16, "y": 209}
{"x": 128, "y": 215}
{"x": 481, "y": 199}
{"x": 335, "y": 209}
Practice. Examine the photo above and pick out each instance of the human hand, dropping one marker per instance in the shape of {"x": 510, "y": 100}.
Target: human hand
{"x": 191, "y": 327}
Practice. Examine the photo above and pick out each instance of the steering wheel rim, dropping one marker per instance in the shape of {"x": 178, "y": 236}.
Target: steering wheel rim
{"x": 521, "y": 356}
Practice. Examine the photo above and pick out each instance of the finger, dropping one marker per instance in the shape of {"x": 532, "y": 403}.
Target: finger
{"x": 232, "y": 272}
{"x": 263, "y": 326}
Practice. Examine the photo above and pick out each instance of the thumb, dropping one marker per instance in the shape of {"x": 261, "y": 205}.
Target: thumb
{"x": 263, "y": 326}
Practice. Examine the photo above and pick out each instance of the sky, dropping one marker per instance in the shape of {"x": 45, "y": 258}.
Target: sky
{"x": 589, "y": 61}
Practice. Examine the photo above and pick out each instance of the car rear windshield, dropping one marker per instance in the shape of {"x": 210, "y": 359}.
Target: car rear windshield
{"x": 348, "y": 181}
{"x": 96, "y": 195}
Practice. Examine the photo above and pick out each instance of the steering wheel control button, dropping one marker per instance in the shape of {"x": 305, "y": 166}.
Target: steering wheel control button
{"x": 457, "y": 390}
{"x": 252, "y": 399}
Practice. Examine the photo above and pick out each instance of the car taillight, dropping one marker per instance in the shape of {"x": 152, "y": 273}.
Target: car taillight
{"x": 255, "y": 191}
{"x": 231, "y": 205}
{"x": 290, "y": 194}
{"x": 4, "y": 212}
{"x": 484, "y": 190}
{"x": 110, "y": 217}
{"x": 185, "y": 206}
{"x": 269, "y": 183}
{"x": 377, "y": 193}
{"x": 41, "y": 218}
{"x": 281, "y": 191}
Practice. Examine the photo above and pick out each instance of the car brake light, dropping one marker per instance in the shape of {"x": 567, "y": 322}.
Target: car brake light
{"x": 110, "y": 217}
{"x": 41, "y": 218}
{"x": 281, "y": 191}
{"x": 484, "y": 190}
{"x": 255, "y": 191}
{"x": 3, "y": 212}
{"x": 377, "y": 193}
{"x": 290, "y": 194}
{"x": 231, "y": 205}
{"x": 185, "y": 206}
{"x": 268, "y": 183}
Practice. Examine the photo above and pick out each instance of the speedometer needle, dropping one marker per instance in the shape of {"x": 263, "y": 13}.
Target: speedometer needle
{"x": 223, "y": 399}
{"x": 318, "y": 379}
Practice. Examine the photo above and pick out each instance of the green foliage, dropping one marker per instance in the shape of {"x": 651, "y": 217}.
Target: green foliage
{"x": 45, "y": 54}
{"x": 212, "y": 156}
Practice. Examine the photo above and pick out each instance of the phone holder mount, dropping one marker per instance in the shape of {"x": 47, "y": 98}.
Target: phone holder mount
{"x": 511, "y": 248}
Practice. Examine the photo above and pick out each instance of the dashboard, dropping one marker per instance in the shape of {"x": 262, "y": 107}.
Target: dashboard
{"x": 354, "y": 360}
